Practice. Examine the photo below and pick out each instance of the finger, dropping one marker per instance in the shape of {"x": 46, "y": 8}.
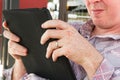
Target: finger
{"x": 13, "y": 54}
{"x": 51, "y": 47}
{"x": 11, "y": 36}
{"x": 58, "y": 24}
{"x": 57, "y": 53}
{"x": 5, "y": 26}
{"x": 17, "y": 49}
{"x": 55, "y": 34}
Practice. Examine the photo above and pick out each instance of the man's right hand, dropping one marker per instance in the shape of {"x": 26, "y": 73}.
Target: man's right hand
{"x": 16, "y": 51}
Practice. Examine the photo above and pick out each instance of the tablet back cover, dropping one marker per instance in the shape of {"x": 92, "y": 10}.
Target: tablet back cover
{"x": 26, "y": 23}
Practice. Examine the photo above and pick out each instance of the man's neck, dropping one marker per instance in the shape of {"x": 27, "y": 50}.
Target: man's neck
{"x": 103, "y": 31}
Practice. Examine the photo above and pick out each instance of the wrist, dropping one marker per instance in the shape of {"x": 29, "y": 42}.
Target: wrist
{"x": 91, "y": 64}
{"x": 19, "y": 70}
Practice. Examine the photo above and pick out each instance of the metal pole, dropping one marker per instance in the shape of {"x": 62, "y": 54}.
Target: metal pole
{"x": 4, "y": 40}
{"x": 14, "y": 4}
{"x": 63, "y": 10}
{"x": 7, "y": 60}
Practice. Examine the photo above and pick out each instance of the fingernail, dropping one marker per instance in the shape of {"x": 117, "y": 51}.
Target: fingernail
{"x": 41, "y": 43}
{"x": 46, "y": 56}
{"x": 42, "y": 25}
{"x": 54, "y": 60}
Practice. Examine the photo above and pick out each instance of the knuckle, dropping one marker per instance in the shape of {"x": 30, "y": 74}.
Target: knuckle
{"x": 54, "y": 56}
{"x": 47, "y": 33}
{"x": 69, "y": 33}
{"x": 57, "y": 21}
{"x": 67, "y": 52}
{"x": 54, "y": 52}
{"x": 48, "y": 48}
{"x": 50, "y": 45}
{"x": 5, "y": 33}
{"x": 10, "y": 43}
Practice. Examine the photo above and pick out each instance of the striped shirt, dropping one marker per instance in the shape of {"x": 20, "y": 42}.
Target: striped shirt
{"x": 108, "y": 45}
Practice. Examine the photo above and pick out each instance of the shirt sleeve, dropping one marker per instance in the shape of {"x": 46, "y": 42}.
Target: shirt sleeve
{"x": 105, "y": 71}
{"x": 8, "y": 74}
{"x": 32, "y": 76}
{"x": 78, "y": 71}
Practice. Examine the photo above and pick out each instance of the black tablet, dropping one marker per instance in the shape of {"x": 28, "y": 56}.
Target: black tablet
{"x": 26, "y": 23}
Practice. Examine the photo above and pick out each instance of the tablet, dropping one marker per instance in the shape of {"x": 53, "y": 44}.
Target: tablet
{"x": 26, "y": 23}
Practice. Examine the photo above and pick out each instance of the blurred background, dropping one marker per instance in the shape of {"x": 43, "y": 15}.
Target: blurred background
{"x": 76, "y": 9}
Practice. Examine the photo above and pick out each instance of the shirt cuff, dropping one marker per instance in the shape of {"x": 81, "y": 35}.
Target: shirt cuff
{"x": 8, "y": 73}
{"x": 105, "y": 71}
{"x": 32, "y": 76}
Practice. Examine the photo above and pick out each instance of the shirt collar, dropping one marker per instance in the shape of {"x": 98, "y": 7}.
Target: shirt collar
{"x": 87, "y": 28}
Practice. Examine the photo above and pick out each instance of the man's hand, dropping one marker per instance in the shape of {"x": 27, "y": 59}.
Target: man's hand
{"x": 16, "y": 51}
{"x": 70, "y": 44}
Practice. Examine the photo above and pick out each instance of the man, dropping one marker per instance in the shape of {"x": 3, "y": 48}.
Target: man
{"x": 94, "y": 48}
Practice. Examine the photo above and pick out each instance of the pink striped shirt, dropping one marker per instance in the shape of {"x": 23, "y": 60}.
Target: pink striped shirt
{"x": 107, "y": 45}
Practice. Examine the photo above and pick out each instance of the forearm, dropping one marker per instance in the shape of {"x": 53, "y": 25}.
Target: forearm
{"x": 19, "y": 70}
